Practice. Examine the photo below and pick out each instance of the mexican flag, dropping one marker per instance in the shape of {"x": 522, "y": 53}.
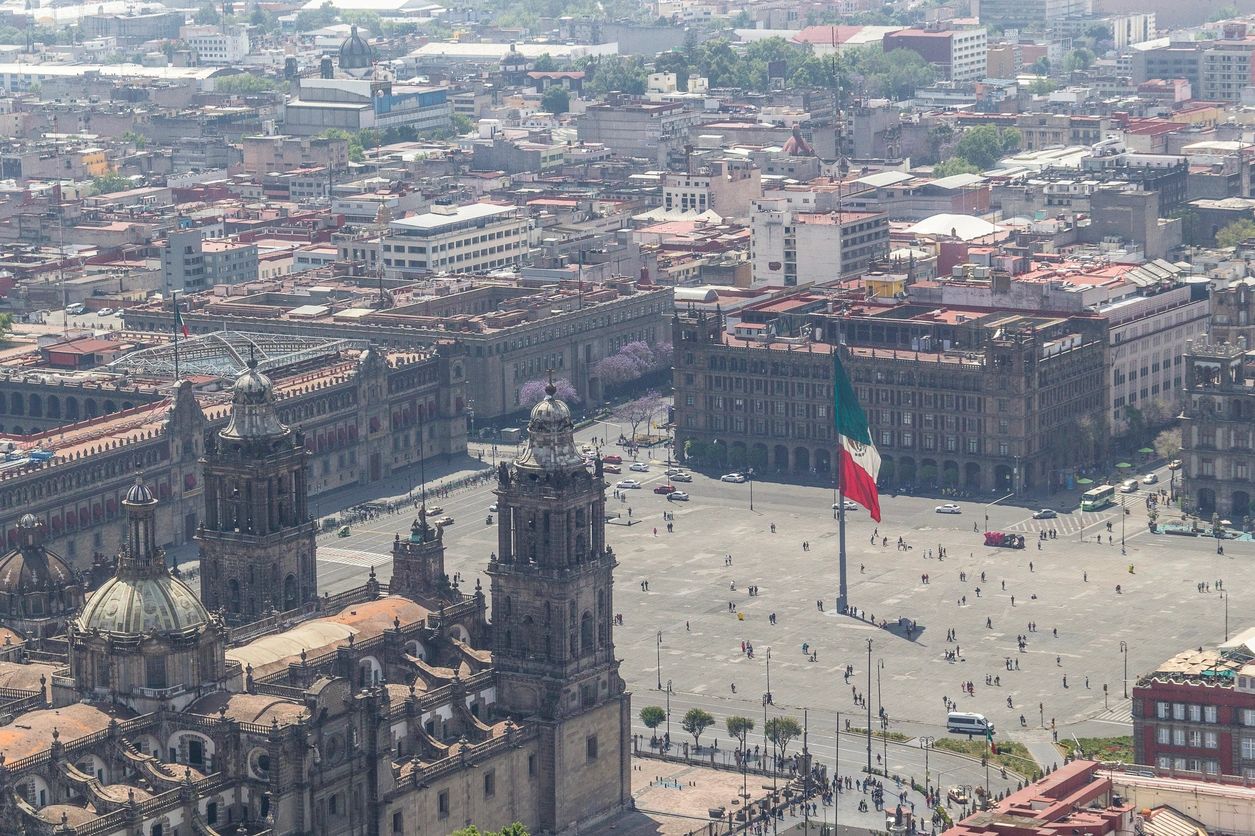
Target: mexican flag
{"x": 179, "y": 324}
{"x": 858, "y": 462}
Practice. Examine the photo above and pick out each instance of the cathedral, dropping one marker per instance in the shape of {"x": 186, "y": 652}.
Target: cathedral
{"x": 258, "y": 707}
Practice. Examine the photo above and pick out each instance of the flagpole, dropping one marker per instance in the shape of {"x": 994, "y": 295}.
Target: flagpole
{"x": 842, "y": 589}
{"x": 174, "y": 297}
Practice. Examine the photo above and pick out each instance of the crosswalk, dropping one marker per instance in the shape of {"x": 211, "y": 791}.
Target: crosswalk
{"x": 350, "y": 557}
{"x": 1121, "y": 713}
{"x": 1091, "y": 522}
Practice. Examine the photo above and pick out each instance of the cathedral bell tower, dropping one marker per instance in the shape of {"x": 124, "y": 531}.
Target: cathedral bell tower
{"x": 257, "y": 540}
{"x": 552, "y": 611}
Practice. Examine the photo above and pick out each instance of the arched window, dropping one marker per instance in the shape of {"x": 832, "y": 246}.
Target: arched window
{"x": 586, "y": 632}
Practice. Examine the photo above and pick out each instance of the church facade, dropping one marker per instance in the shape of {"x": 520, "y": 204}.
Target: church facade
{"x": 398, "y": 711}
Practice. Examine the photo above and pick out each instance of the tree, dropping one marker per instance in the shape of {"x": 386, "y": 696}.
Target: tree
{"x": 615, "y": 370}
{"x": 133, "y": 138}
{"x": 556, "y": 100}
{"x": 984, "y": 145}
{"x": 533, "y": 392}
{"x": 641, "y": 410}
{"x": 462, "y": 124}
{"x": 516, "y": 829}
{"x": 113, "y": 182}
{"x": 954, "y": 165}
{"x": 1041, "y": 66}
{"x": 356, "y": 154}
{"x": 1168, "y": 443}
{"x": 1235, "y": 233}
{"x": 545, "y": 63}
{"x": 781, "y": 731}
{"x": 310, "y": 19}
{"x": 1078, "y": 59}
{"x": 207, "y": 15}
{"x": 740, "y": 728}
{"x": 653, "y": 716}
{"x": 674, "y": 62}
{"x": 696, "y": 721}
{"x": 243, "y": 83}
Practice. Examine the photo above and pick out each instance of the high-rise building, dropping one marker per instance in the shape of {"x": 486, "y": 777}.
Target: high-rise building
{"x": 552, "y": 605}
{"x": 257, "y": 540}
{"x": 1030, "y": 14}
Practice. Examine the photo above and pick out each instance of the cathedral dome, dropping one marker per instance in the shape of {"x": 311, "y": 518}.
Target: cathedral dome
{"x": 31, "y": 567}
{"x": 551, "y": 439}
{"x": 253, "y": 407}
{"x": 139, "y": 605}
{"x": 355, "y": 53}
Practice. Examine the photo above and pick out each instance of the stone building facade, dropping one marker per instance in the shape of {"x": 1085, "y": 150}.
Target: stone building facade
{"x": 377, "y": 711}
{"x": 257, "y": 538}
{"x": 994, "y": 402}
{"x": 1218, "y": 432}
{"x": 362, "y": 421}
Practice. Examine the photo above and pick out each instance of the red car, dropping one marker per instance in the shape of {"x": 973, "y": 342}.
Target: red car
{"x": 611, "y": 468}
{"x": 665, "y": 489}
{"x": 612, "y": 459}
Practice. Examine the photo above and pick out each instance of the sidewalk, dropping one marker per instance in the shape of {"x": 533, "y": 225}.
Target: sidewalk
{"x": 1039, "y": 745}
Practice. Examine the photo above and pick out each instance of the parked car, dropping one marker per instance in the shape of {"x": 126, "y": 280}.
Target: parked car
{"x": 665, "y": 489}
{"x": 1150, "y": 479}
{"x": 627, "y": 484}
{"x": 850, "y": 505}
{"x": 639, "y": 467}
{"x": 612, "y": 459}
{"x": 1044, "y": 514}
{"x": 1128, "y": 486}
{"x": 677, "y": 496}
{"x": 671, "y": 471}
{"x": 611, "y": 468}
{"x": 733, "y": 477}
{"x": 75, "y": 309}
{"x": 105, "y": 312}
{"x": 492, "y": 509}
{"x": 949, "y": 508}
{"x": 681, "y": 476}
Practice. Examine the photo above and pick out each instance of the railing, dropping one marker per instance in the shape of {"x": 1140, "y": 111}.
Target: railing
{"x": 474, "y": 754}
{"x": 287, "y": 692}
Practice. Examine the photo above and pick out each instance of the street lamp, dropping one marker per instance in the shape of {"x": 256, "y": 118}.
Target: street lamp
{"x": 880, "y": 710}
{"x": 749, "y": 471}
{"x": 869, "y": 707}
{"x": 658, "y": 654}
{"x": 1124, "y": 648}
{"x": 926, "y": 743}
{"x": 668, "y": 738}
{"x": 992, "y": 504}
{"x": 1225, "y": 596}
{"x": 768, "y": 695}
{"x": 1123, "y": 513}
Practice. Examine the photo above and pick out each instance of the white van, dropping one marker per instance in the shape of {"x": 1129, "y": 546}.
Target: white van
{"x": 963, "y": 722}
{"x": 75, "y": 309}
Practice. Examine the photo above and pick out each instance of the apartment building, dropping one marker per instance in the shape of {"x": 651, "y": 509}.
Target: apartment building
{"x": 457, "y": 239}
{"x": 264, "y": 154}
{"x": 726, "y": 187}
{"x": 651, "y": 130}
{"x": 790, "y": 247}
{"x": 189, "y": 262}
{"x": 215, "y": 46}
{"x": 957, "y": 55}
{"x": 1031, "y": 14}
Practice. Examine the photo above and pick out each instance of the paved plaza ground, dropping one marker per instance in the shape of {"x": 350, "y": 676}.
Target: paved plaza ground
{"x": 1068, "y": 586}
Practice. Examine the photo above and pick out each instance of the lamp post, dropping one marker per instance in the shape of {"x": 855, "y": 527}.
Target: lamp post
{"x": 749, "y": 471}
{"x": 1124, "y": 648}
{"x": 1123, "y": 513}
{"x": 884, "y": 722}
{"x": 768, "y": 694}
{"x": 992, "y": 504}
{"x": 667, "y": 742}
{"x": 869, "y": 707}
{"x": 658, "y": 655}
{"x": 1225, "y": 596}
{"x": 926, "y": 743}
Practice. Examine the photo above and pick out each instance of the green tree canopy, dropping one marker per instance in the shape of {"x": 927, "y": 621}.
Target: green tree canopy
{"x": 782, "y": 730}
{"x": 984, "y": 145}
{"x": 516, "y": 829}
{"x": 207, "y": 14}
{"x": 674, "y": 62}
{"x": 740, "y": 727}
{"x": 556, "y": 100}
{"x": 1235, "y": 233}
{"x": 954, "y": 165}
{"x": 310, "y": 19}
{"x": 243, "y": 83}
{"x": 112, "y": 182}
{"x": 616, "y": 73}
{"x": 546, "y": 63}
{"x": 653, "y": 716}
{"x": 696, "y": 721}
